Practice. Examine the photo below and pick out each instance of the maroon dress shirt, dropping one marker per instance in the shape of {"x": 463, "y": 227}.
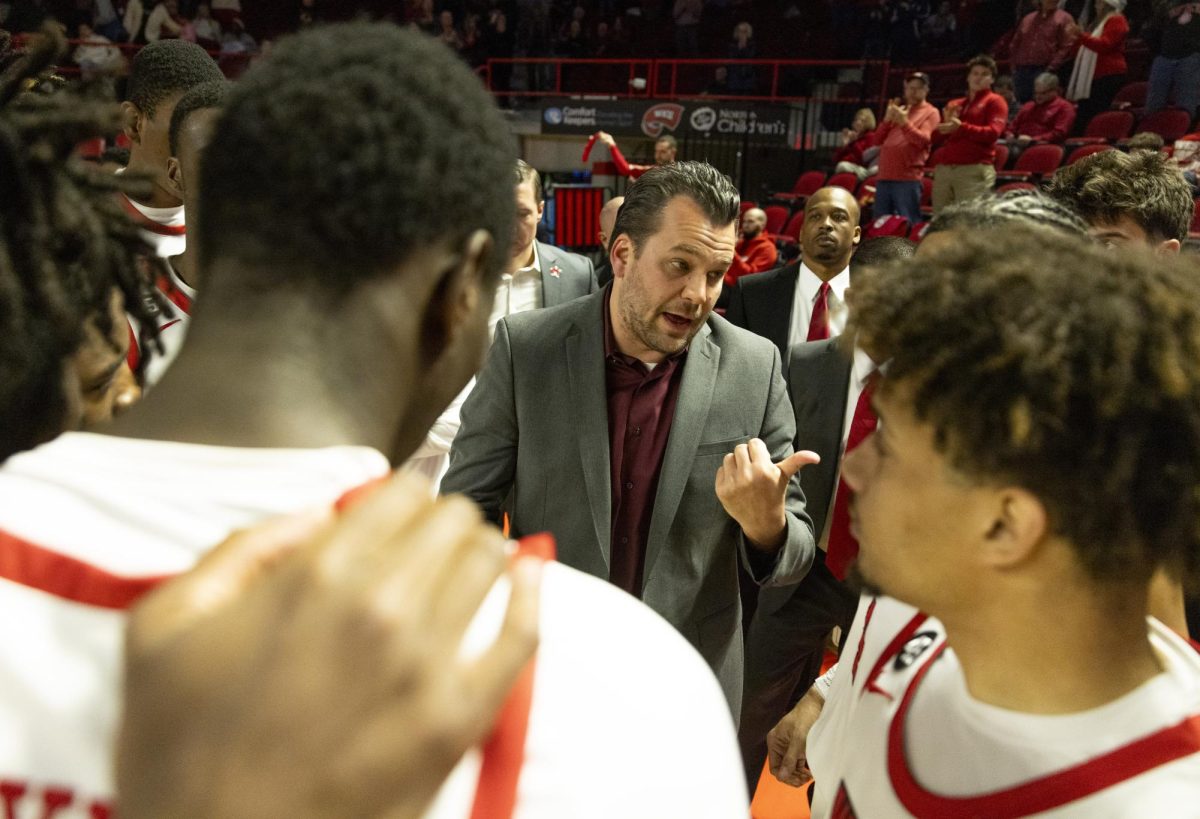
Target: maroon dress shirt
{"x": 641, "y": 407}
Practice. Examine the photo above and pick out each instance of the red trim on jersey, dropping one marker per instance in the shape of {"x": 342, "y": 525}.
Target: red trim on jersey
{"x": 174, "y": 295}
{"x": 504, "y": 751}
{"x": 862, "y": 638}
{"x": 1036, "y": 795}
{"x": 146, "y": 223}
{"x": 28, "y": 564}
{"x": 134, "y": 355}
{"x": 893, "y": 648}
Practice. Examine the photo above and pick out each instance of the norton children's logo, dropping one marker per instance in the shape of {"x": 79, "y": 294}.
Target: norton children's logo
{"x": 914, "y": 648}
{"x": 666, "y": 116}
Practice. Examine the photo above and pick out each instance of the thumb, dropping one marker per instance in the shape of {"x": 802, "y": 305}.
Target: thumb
{"x": 790, "y": 465}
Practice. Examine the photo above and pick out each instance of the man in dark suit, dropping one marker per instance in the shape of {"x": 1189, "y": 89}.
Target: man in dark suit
{"x": 804, "y": 300}
{"x": 652, "y": 438}
{"x": 786, "y": 639}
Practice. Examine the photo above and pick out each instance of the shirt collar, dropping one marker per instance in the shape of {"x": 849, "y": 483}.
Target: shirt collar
{"x": 810, "y": 283}
{"x": 531, "y": 270}
{"x": 862, "y": 368}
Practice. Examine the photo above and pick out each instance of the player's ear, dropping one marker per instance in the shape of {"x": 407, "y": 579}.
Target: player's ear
{"x": 175, "y": 176}
{"x": 1017, "y": 525}
{"x": 458, "y": 296}
{"x": 131, "y": 122}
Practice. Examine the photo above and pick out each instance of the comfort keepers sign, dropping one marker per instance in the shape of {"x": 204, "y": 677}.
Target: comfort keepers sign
{"x": 653, "y": 119}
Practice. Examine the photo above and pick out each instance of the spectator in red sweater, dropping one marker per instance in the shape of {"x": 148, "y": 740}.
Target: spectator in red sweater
{"x": 970, "y": 127}
{"x": 855, "y": 155}
{"x": 665, "y": 149}
{"x": 904, "y": 139}
{"x": 755, "y": 251}
{"x": 1047, "y": 118}
{"x": 1100, "y": 68}
{"x": 1042, "y": 42}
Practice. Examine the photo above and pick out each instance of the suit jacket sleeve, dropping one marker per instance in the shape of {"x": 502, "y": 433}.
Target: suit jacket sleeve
{"x": 483, "y": 458}
{"x": 735, "y": 313}
{"x": 593, "y": 285}
{"x": 791, "y": 563}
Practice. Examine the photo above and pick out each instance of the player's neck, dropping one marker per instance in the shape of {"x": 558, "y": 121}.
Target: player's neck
{"x": 303, "y": 382}
{"x": 159, "y": 197}
{"x": 1054, "y": 650}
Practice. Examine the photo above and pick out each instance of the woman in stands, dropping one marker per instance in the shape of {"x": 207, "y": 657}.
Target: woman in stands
{"x": 1099, "y": 62}
{"x": 859, "y": 148}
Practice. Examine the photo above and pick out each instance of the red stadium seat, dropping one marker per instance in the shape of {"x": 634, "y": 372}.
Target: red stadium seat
{"x": 1131, "y": 95}
{"x": 1016, "y": 186}
{"x": 806, "y": 185}
{"x": 91, "y": 148}
{"x": 1107, "y": 126}
{"x": 918, "y": 231}
{"x": 776, "y": 218}
{"x": 791, "y": 233}
{"x": 848, "y": 181}
{"x": 888, "y": 225}
{"x": 1169, "y": 123}
{"x": 1036, "y": 160}
{"x": 1001, "y": 157}
{"x": 1086, "y": 150}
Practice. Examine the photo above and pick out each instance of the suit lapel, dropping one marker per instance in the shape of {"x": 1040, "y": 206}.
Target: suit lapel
{"x": 589, "y": 398}
{"x": 779, "y": 322}
{"x": 552, "y": 295}
{"x": 691, "y": 412}
{"x": 819, "y": 383}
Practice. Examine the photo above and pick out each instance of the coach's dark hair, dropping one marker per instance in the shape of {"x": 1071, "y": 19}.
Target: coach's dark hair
{"x": 528, "y": 173}
{"x": 164, "y": 69}
{"x": 984, "y": 60}
{"x": 1029, "y": 353}
{"x": 641, "y": 212}
{"x": 205, "y": 95}
{"x": 353, "y": 147}
{"x": 64, "y": 243}
{"x": 1108, "y": 185}
{"x": 1029, "y": 207}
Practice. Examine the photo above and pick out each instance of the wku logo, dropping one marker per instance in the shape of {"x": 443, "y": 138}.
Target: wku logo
{"x": 666, "y": 116}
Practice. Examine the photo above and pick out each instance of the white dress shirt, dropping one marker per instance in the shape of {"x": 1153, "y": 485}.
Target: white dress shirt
{"x": 807, "y": 286}
{"x": 860, "y": 371}
{"x": 516, "y": 293}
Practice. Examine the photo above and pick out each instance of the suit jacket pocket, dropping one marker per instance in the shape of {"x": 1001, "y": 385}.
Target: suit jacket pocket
{"x": 716, "y": 632}
{"x": 720, "y": 447}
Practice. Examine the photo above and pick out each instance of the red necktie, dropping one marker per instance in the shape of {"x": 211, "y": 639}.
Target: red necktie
{"x": 818, "y": 326}
{"x": 842, "y": 548}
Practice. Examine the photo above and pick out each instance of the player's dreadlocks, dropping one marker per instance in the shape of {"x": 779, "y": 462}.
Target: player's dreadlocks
{"x": 64, "y": 243}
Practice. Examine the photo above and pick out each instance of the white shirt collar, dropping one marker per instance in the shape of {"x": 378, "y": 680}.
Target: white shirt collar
{"x": 862, "y": 368}
{"x": 810, "y": 284}
{"x": 534, "y": 269}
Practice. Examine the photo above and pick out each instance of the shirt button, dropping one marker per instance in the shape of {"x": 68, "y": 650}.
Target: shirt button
{"x": 629, "y": 485}
{"x": 624, "y": 540}
{"x": 637, "y": 430}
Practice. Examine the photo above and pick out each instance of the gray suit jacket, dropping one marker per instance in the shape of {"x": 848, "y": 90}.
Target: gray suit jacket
{"x": 537, "y": 425}
{"x": 565, "y": 276}
{"x": 818, "y": 379}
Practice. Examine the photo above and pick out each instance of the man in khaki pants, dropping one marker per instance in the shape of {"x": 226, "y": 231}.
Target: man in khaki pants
{"x": 967, "y": 137}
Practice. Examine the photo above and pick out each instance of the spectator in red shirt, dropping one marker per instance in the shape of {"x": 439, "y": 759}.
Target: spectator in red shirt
{"x": 755, "y": 250}
{"x": 968, "y": 133}
{"x": 1048, "y": 118}
{"x": 857, "y": 140}
{"x": 904, "y": 139}
{"x": 1042, "y": 42}
{"x": 1100, "y": 68}
{"x": 665, "y": 149}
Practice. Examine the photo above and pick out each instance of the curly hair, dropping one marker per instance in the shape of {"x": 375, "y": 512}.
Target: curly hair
{"x": 1018, "y": 207}
{"x": 65, "y": 244}
{"x": 205, "y": 95}
{"x": 165, "y": 68}
{"x": 1109, "y": 185}
{"x": 1031, "y": 355}
{"x": 353, "y": 147}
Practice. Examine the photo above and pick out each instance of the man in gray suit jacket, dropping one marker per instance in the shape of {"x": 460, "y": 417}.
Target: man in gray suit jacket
{"x": 650, "y": 437}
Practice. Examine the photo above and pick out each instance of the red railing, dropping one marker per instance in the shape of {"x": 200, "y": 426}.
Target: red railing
{"x": 780, "y": 81}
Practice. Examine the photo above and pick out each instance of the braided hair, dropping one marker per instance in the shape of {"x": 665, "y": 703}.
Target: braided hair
{"x": 65, "y": 243}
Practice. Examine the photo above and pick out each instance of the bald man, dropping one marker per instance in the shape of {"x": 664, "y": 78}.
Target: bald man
{"x": 755, "y": 250}
{"x": 608, "y": 218}
{"x": 805, "y": 300}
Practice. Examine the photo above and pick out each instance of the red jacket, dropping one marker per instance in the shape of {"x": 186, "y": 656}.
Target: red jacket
{"x": 984, "y": 118}
{"x": 1049, "y": 122}
{"x": 853, "y": 150}
{"x": 904, "y": 149}
{"x": 1109, "y": 46}
{"x": 752, "y": 256}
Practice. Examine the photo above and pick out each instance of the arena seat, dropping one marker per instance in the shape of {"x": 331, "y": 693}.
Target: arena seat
{"x": 1001, "y": 157}
{"x": 1086, "y": 150}
{"x": 1107, "y": 126}
{"x": 1131, "y": 95}
{"x": 791, "y": 232}
{"x": 1035, "y": 161}
{"x": 848, "y": 181}
{"x": 1169, "y": 123}
{"x": 777, "y": 216}
{"x": 806, "y": 185}
{"x": 887, "y": 225}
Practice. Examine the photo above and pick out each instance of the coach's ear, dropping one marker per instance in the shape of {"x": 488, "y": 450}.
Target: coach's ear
{"x": 620, "y": 255}
{"x": 1018, "y": 526}
{"x": 131, "y": 121}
